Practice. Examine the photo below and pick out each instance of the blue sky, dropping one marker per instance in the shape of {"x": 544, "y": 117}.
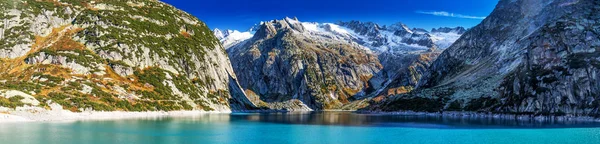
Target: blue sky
{"x": 241, "y": 14}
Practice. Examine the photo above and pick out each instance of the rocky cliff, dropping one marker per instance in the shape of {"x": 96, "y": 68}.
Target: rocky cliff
{"x": 534, "y": 57}
{"x": 140, "y": 55}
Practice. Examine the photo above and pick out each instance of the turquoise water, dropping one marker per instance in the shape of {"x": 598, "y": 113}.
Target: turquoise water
{"x": 325, "y": 127}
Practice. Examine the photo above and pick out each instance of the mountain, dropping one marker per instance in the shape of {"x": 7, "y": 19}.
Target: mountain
{"x": 232, "y": 37}
{"x": 419, "y": 30}
{"x": 404, "y": 53}
{"x": 397, "y": 38}
{"x": 220, "y": 34}
{"x": 533, "y": 57}
{"x": 140, "y": 55}
{"x": 457, "y": 30}
{"x": 286, "y": 62}
{"x": 327, "y": 65}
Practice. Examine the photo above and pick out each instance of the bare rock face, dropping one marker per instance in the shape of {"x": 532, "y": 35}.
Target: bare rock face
{"x": 130, "y": 55}
{"x": 528, "y": 57}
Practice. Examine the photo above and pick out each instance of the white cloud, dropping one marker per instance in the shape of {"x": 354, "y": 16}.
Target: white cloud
{"x": 448, "y": 14}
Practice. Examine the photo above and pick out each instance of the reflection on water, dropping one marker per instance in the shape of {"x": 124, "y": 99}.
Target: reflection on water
{"x": 419, "y": 121}
{"x": 313, "y": 127}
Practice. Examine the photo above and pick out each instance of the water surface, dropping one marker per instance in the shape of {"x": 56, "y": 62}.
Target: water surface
{"x": 316, "y": 127}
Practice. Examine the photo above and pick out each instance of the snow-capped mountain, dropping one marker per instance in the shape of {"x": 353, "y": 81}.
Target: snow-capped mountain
{"x": 457, "y": 30}
{"x": 419, "y": 30}
{"x": 219, "y": 34}
{"x": 444, "y": 37}
{"x": 231, "y": 37}
{"x": 288, "y": 59}
{"x": 395, "y": 38}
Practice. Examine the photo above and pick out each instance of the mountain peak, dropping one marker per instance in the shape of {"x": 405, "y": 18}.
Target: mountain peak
{"x": 362, "y": 28}
{"x": 399, "y": 26}
{"x": 218, "y": 33}
{"x": 269, "y": 29}
{"x": 266, "y": 30}
{"x": 255, "y": 27}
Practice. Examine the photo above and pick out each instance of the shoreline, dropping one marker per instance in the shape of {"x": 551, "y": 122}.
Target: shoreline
{"x": 57, "y": 114}
{"x": 479, "y": 115}
{"x": 67, "y": 116}
{"x": 34, "y": 114}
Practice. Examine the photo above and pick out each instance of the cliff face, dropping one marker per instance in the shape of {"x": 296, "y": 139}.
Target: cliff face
{"x": 114, "y": 55}
{"x": 528, "y": 57}
{"x": 559, "y": 68}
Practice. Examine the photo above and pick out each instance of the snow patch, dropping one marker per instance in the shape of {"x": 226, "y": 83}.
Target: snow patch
{"x": 313, "y": 27}
{"x": 28, "y": 99}
{"x": 444, "y": 40}
{"x": 338, "y": 29}
{"x": 232, "y": 37}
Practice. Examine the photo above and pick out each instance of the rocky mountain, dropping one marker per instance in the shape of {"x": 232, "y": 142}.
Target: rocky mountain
{"x": 404, "y": 53}
{"x": 111, "y": 55}
{"x": 537, "y": 57}
{"x": 328, "y": 66}
{"x": 286, "y": 62}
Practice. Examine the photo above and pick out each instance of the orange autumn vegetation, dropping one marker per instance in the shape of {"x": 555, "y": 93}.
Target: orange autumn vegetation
{"x": 185, "y": 34}
{"x": 60, "y": 39}
{"x": 399, "y": 90}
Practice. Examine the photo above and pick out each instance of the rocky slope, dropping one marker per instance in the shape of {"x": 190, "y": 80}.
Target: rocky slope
{"x": 404, "y": 53}
{"x": 140, "y": 55}
{"x": 528, "y": 57}
{"x": 328, "y": 66}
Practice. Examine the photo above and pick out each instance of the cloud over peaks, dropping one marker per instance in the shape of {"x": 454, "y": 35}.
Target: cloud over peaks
{"x": 449, "y": 14}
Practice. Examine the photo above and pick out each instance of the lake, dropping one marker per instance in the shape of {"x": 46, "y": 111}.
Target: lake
{"x": 313, "y": 128}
